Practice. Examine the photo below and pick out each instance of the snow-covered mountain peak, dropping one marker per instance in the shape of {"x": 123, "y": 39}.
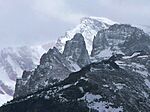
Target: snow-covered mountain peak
{"x": 88, "y": 27}
{"x": 100, "y": 19}
{"x": 121, "y": 70}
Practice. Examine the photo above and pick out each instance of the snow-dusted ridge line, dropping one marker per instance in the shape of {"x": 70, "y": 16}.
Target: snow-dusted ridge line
{"x": 88, "y": 27}
{"x": 104, "y": 20}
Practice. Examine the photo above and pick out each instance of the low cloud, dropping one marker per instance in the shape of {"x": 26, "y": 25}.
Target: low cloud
{"x": 30, "y": 22}
{"x": 57, "y": 9}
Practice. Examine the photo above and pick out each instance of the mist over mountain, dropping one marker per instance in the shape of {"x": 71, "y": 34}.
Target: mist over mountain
{"x": 98, "y": 66}
{"x": 13, "y": 61}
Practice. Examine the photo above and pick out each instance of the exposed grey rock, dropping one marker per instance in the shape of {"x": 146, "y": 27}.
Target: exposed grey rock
{"x": 103, "y": 86}
{"x": 120, "y": 83}
{"x": 75, "y": 50}
{"x": 53, "y": 66}
{"x": 120, "y": 38}
{"x": 99, "y": 44}
{"x": 22, "y": 85}
{"x": 88, "y": 27}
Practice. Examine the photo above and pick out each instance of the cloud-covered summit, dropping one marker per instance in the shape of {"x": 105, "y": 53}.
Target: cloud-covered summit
{"x": 28, "y": 22}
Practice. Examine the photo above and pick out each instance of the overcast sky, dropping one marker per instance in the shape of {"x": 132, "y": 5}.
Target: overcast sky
{"x": 31, "y": 22}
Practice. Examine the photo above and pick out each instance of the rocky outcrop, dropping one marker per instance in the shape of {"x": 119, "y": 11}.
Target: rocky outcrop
{"x": 103, "y": 86}
{"x": 118, "y": 79}
{"x": 75, "y": 50}
{"x": 53, "y": 66}
{"x": 117, "y": 39}
{"x": 123, "y": 39}
{"x": 88, "y": 27}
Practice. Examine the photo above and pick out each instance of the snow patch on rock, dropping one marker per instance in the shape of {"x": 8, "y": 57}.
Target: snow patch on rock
{"x": 94, "y": 102}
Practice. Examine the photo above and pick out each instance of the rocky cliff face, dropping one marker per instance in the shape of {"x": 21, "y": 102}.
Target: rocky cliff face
{"x": 88, "y": 27}
{"x": 128, "y": 45}
{"x": 123, "y": 39}
{"x": 75, "y": 50}
{"x": 118, "y": 78}
{"x": 98, "y": 87}
{"x": 54, "y": 66}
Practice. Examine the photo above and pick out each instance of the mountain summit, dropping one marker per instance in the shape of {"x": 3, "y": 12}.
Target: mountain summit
{"x": 108, "y": 70}
{"x": 88, "y": 27}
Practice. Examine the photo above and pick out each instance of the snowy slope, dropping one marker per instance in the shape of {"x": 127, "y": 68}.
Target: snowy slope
{"x": 88, "y": 27}
{"x": 13, "y": 61}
